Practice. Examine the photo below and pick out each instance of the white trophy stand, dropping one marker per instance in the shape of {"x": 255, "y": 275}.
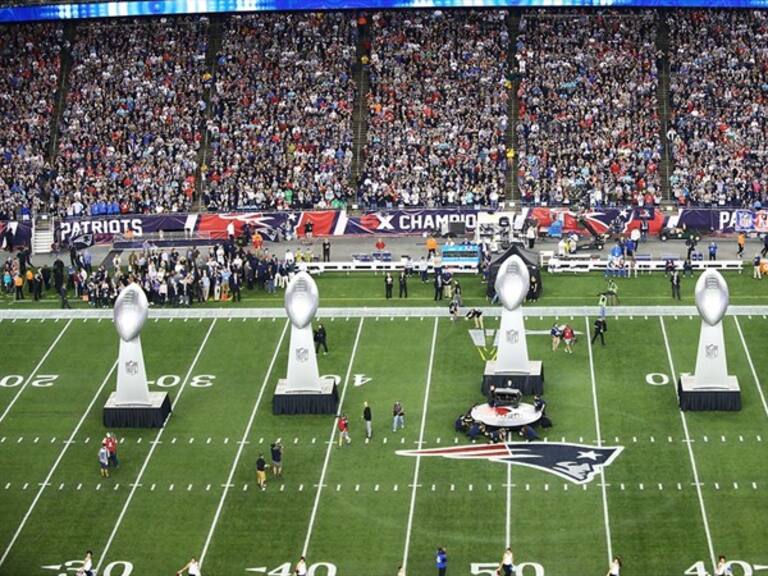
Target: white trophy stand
{"x": 512, "y": 368}
{"x": 132, "y": 405}
{"x": 304, "y": 391}
{"x": 710, "y": 387}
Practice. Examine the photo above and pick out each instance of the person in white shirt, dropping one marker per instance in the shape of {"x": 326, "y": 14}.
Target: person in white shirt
{"x": 192, "y": 567}
{"x": 87, "y": 568}
{"x": 722, "y": 568}
{"x": 507, "y": 567}
{"x": 615, "y": 567}
{"x": 301, "y": 567}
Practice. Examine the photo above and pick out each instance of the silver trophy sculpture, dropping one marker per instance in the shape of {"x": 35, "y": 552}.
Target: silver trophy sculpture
{"x": 130, "y": 314}
{"x": 304, "y": 391}
{"x": 301, "y": 301}
{"x": 512, "y": 365}
{"x": 711, "y": 376}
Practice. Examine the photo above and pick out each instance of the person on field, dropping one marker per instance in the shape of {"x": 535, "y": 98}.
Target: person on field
{"x": 321, "y": 339}
{"x": 301, "y": 567}
{"x": 87, "y": 568}
{"x": 557, "y": 334}
{"x": 441, "y": 561}
{"x": 276, "y": 451}
{"x": 398, "y": 417}
{"x": 104, "y": 460}
{"x": 568, "y": 338}
{"x": 403, "y": 284}
{"x": 600, "y": 328}
{"x": 615, "y": 567}
{"x": 388, "y": 283}
{"x": 192, "y": 568}
{"x": 261, "y": 472}
{"x": 741, "y": 241}
{"x": 757, "y": 274}
{"x": 344, "y": 431}
{"x": 477, "y": 315}
{"x": 111, "y": 443}
{"x": 368, "y": 419}
{"x": 507, "y": 566}
{"x": 722, "y": 568}
{"x": 675, "y": 282}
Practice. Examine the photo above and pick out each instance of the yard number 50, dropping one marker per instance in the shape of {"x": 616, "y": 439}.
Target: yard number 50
{"x": 533, "y": 568}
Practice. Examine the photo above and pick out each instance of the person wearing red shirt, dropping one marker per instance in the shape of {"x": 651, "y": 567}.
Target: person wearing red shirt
{"x": 380, "y": 245}
{"x": 344, "y": 430}
{"x": 568, "y": 338}
{"x": 111, "y": 444}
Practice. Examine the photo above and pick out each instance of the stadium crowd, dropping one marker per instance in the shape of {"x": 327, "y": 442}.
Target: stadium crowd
{"x": 437, "y": 109}
{"x": 281, "y": 129}
{"x": 279, "y": 132}
{"x": 131, "y": 127}
{"x": 588, "y": 131}
{"x": 719, "y": 93}
{"x": 29, "y": 77}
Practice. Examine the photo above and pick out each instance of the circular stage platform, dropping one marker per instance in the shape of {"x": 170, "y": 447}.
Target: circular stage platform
{"x": 505, "y": 416}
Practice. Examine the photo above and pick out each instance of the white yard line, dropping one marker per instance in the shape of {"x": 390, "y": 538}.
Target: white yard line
{"x": 751, "y": 365}
{"x": 415, "y": 483}
{"x": 508, "y": 538}
{"x": 243, "y": 440}
{"x": 690, "y": 449}
{"x": 34, "y": 371}
{"x": 315, "y": 506}
{"x": 55, "y": 466}
{"x": 154, "y": 445}
{"x": 606, "y": 519}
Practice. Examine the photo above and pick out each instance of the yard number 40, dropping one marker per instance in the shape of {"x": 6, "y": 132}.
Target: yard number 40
{"x": 699, "y": 569}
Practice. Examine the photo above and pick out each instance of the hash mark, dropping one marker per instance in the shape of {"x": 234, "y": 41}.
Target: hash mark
{"x": 98, "y": 486}
{"x": 116, "y": 486}
{"x": 61, "y": 486}
{"x": 192, "y": 439}
{"x": 8, "y": 485}
{"x": 189, "y": 488}
{"x": 679, "y": 486}
{"x": 754, "y": 485}
{"x": 301, "y": 487}
{"x": 470, "y": 487}
{"x": 170, "y": 488}
{"x": 79, "y": 486}
{"x": 641, "y": 486}
{"x": 152, "y": 488}
{"x": 735, "y": 485}
{"x": 208, "y": 441}
{"x": 717, "y": 486}
{"x": 453, "y": 487}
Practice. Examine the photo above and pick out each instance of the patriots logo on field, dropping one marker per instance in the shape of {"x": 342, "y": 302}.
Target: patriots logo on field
{"x": 577, "y": 463}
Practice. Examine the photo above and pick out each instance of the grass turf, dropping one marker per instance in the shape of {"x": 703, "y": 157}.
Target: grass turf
{"x": 367, "y": 289}
{"x": 158, "y": 508}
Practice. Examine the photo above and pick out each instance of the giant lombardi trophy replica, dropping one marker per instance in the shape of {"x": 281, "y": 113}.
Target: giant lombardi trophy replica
{"x": 512, "y": 367}
{"x": 304, "y": 391}
{"x": 132, "y": 405}
{"x": 710, "y": 387}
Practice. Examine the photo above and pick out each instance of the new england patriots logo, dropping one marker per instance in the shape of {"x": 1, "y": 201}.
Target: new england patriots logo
{"x": 577, "y": 463}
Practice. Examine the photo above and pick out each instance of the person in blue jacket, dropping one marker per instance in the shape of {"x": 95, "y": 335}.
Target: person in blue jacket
{"x": 441, "y": 561}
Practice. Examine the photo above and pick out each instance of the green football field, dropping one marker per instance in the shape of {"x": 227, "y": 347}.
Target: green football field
{"x": 684, "y": 489}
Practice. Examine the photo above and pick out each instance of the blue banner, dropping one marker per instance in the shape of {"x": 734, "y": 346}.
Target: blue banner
{"x": 84, "y": 10}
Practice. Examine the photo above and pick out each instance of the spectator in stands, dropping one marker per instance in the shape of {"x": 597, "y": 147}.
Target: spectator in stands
{"x": 281, "y": 132}
{"x": 719, "y": 116}
{"x": 131, "y": 127}
{"x": 437, "y": 109}
{"x": 588, "y": 131}
{"x": 29, "y": 77}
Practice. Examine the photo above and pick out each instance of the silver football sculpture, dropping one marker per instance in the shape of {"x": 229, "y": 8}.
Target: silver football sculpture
{"x": 711, "y": 296}
{"x": 130, "y": 312}
{"x": 512, "y": 282}
{"x": 301, "y": 299}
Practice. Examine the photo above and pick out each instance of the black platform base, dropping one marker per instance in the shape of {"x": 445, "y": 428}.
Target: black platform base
{"x": 327, "y": 403}
{"x": 138, "y": 416}
{"x": 529, "y": 384}
{"x": 691, "y": 400}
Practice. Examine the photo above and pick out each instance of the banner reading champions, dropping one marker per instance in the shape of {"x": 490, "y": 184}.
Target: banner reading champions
{"x": 275, "y": 225}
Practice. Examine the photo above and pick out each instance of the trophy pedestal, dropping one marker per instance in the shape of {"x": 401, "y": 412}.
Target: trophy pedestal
{"x": 695, "y": 397}
{"x": 321, "y": 397}
{"x": 529, "y": 382}
{"x": 150, "y": 415}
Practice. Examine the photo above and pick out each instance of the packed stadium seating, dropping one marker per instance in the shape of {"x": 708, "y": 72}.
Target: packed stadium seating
{"x": 409, "y": 108}
{"x": 719, "y": 93}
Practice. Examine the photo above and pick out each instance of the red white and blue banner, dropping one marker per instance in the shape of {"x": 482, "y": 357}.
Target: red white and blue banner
{"x": 274, "y": 225}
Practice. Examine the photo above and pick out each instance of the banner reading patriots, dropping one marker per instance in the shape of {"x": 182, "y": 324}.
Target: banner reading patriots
{"x": 577, "y": 463}
{"x": 277, "y": 225}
